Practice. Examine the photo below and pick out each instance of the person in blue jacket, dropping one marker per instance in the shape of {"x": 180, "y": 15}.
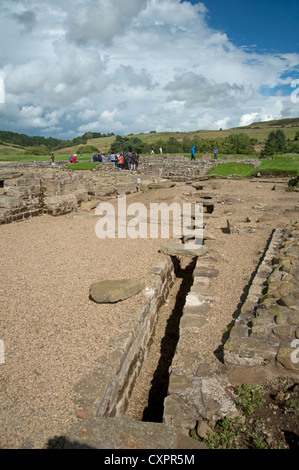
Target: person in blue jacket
{"x": 193, "y": 153}
{"x": 215, "y": 153}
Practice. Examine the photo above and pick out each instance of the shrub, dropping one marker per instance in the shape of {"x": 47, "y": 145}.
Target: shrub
{"x": 37, "y": 150}
{"x": 87, "y": 149}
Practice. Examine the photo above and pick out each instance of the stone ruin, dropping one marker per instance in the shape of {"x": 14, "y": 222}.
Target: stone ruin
{"x": 31, "y": 189}
{"x": 32, "y": 192}
{"x": 262, "y": 343}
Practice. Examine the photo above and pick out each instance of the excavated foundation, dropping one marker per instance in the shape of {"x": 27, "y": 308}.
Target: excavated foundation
{"x": 192, "y": 391}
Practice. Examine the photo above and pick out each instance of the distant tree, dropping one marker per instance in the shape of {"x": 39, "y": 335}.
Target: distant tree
{"x": 126, "y": 144}
{"x": 172, "y": 146}
{"x": 88, "y": 135}
{"x": 238, "y": 143}
{"x": 292, "y": 147}
{"x": 275, "y": 143}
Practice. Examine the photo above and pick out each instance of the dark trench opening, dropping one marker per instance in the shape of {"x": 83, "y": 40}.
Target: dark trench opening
{"x": 159, "y": 384}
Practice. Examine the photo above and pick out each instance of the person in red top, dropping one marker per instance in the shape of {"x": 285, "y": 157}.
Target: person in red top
{"x": 74, "y": 159}
{"x": 121, "y": 161}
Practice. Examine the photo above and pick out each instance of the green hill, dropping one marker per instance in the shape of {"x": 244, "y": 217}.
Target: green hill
{"x": 257, "y": 130}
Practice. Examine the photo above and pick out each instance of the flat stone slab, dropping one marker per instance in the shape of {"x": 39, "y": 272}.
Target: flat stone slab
{"x": 120, "y": 433}
{"x": 180, "y": 249}
{"x": 111, "y": 291}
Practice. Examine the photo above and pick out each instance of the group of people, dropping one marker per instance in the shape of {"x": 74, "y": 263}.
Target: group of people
{"x": 124, "y": 161}
{"x": 127, "y": 161}
{"x": 73, "y": 158}
{"x": 153, "y": 152}
{"x": 98, "y": 157}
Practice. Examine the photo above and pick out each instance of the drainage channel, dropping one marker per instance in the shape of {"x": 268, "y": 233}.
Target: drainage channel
{"x": 150, "y": 389}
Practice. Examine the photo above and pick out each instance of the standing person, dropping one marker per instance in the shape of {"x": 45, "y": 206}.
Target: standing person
{"x": 136, "y": 160}
{"x": 160, "y": 150}
{"x": 121, "y": 161}
{"x": 133, "y": 161}
{"x": 193, "y": 153}
{"x": 52, "y": 159}
{"x": 215, "y": 153}
{"x": 152, "y": 152}
{"x": 128, "y": 160}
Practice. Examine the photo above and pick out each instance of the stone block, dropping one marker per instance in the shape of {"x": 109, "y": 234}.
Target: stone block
{"x": 179, "y": 412}
{"x": 249, "y": 351}
{"x": 193, "y": 321}
{"x": 121, "y": 433}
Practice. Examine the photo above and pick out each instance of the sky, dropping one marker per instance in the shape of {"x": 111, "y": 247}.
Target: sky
{"x": 135, "y": 66}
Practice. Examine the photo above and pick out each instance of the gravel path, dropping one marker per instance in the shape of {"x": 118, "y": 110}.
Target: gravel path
{"x": 53, "y": 334}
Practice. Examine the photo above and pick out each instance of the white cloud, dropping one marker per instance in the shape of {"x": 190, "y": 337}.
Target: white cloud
{"x": 101, "y": 20}
{"x": 133, "y": 66}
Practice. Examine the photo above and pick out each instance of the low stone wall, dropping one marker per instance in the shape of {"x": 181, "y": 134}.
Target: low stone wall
{"x": 176, "y": 168}
{"x": 35, "y": 192}
{"x": 104, "y": 392}
{"x": 180, "y": 168}
{"x": 32, "y": 192}
{"x": 266, "y": 334}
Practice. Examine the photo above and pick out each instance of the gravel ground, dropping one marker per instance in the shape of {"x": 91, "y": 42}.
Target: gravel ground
{"x": 53, "y": 334}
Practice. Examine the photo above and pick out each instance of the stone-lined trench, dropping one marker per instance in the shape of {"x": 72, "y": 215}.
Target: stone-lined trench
{"x": 147, "y": 404}
{"x": 162, "y": 351}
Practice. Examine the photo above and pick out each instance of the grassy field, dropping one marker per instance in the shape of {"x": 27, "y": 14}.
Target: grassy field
{"x": 280, "y": 165}
{"x": 83, "y": 166}
{"x": 11, "y": 155}
{"x": 232, "y": 168}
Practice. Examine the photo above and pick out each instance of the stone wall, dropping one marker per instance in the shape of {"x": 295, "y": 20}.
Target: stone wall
{"x": 104, "y": 392}
{"x": 32, "y": 192}
{"x": 266, "y": 334}
{"x": 180, "y": 168}
{"x": 35, "y": 192}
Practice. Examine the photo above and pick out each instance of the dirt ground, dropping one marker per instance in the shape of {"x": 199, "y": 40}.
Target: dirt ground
{"x": 53, "y": 334}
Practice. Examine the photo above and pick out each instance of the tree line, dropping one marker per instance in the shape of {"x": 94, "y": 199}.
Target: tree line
{"x": 48, "y": 144}
{"x": 237, "y": 143}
